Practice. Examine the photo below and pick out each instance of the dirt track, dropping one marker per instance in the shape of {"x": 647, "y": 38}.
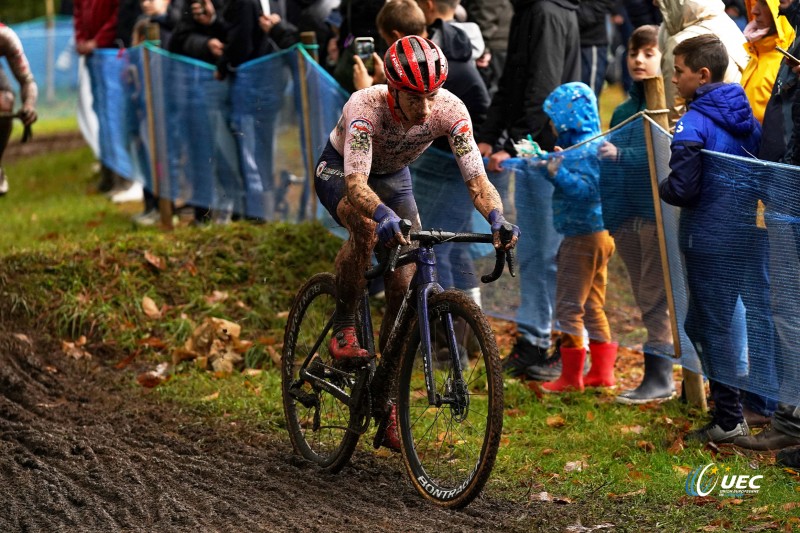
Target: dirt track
{"x": 83, "y": 449}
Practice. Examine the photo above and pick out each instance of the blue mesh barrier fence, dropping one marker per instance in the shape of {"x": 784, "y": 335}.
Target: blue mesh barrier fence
{"x": 242, "y": 146}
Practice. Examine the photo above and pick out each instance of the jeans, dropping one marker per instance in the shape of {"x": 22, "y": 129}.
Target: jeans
{"x": 594, "y": 62}
{"x": 444, "y": 203}
{"x": 536, "y": 255}
{"x": 716, "y": 280}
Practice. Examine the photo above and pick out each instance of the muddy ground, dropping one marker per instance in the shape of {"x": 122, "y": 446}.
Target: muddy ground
{"x": 84, "y": 449}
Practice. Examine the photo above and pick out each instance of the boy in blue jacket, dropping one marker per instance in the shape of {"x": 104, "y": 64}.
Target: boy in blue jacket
{"x": 724, "y": 257}
{"x": 584, "y": 252}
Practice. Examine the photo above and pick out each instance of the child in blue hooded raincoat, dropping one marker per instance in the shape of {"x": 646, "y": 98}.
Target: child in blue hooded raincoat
{"x": 587, "y": 246}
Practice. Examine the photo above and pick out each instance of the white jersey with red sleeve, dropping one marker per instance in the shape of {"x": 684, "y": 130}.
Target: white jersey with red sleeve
{"x": 372, "y": 139}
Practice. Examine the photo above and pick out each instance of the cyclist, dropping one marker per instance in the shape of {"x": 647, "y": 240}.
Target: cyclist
{"x": 11, "y": 49}
{"x": 362, "y": 178}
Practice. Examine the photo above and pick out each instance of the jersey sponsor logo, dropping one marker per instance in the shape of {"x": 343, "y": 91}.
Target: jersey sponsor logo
{"x": 461, "y": 138}
{"x": 324, "y": 172}
{"x": 361, "y": 131}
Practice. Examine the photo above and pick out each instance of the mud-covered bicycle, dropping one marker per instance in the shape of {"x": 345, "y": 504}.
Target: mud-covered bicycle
{"x": 440, "y": 361}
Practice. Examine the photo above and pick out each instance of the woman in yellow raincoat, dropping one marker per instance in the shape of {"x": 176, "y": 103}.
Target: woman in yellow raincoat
{"x": 764, "y": 32}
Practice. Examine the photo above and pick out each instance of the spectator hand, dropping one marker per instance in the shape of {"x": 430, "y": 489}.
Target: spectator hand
{"x": 267, "y": 22}
{"x": 216, "y": 47}
{"x": 203, "y": 12}
{"x": 361, "y": 78}
{"x": 608, "y": 151}
{"x": 496, "y": 219}
{"x": 86, "y": 47}
{"x": 28, "y": 115}
{"x": 388, "y": 228}
{"x": 485, "y": 149}
{"x": 496, "y": 160}
{"x": 378, "y": 76}
{"x": 483, "y": 61}
{"x": 554, "y": 163}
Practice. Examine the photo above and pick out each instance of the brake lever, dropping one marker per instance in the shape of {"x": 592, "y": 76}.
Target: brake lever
{"x": 405, "y": 229}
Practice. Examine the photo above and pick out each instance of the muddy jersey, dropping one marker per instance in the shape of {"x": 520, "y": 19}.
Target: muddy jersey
{"x": 372, "y": 139}
{"x": 11, "y": 49}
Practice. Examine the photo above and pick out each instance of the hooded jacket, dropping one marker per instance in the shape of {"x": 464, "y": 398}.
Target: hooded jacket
{"x": 543, "y": 52}
{"x": 684, "y": 19}
{"x": 463, "y": 78}
{"x": 716, "y": 204}
{"x": 576, "y": 195}
{"x": 762, "y": 69}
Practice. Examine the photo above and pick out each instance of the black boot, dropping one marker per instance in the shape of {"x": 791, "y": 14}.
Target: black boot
{"x": 657, "y": 384}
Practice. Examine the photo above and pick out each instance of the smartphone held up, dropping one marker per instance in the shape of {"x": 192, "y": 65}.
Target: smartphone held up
{"x": 364, "y": 47}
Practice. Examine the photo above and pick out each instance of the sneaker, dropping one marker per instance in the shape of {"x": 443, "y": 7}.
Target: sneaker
{"x": 134, "y": 193}
{"x": 548, "y": 369}
{"x": 523, "y": 355}
{"x": 391, "y": 438}
{"x": 344, "y": 346}
{"x": 712, "y": 432}
{"x": 150, "y": 217}
{"x": 789, "y": 457}
{"x": 3, "y": 182}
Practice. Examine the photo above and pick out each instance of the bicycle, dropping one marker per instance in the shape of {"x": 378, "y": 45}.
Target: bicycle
{"x": 448, "y": 383}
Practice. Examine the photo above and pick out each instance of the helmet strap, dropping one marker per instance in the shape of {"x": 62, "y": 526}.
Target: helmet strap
{"x": 393, "y": 98}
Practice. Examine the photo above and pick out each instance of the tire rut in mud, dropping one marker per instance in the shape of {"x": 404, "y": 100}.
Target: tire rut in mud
{"x": 85, "y": 450}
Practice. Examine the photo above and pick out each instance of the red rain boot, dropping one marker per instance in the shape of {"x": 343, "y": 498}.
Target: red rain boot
{"x": 571, "y": 378}
{"x": 601, "y": 373}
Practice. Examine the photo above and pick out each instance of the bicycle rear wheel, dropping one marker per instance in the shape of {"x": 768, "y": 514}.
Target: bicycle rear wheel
{"x": 449, "y": 449}
{"x": 317, "y": 421}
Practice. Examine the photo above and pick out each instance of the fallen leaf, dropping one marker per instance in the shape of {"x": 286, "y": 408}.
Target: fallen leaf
{"x": 274, "y": 356}
{"x": 791, "y": 505}
{"x": 646, "y": 445}
{"x": 762, "y": 527}
{"x": 215, "y": 297}
{"x": 682, "y": 469}
{"x": 760, "y": 510}
{"x": 251, "y": 371}
{"x": 555, "y": 421}
{"x": 155, "y": 260}
{"x": 153, "y": 378}
{"x": 631, "y": 429}
{"x": 282, "y": 314}
{"x": 153, "y": 342}
{"x": 190, "y": 267}
{"x": 548, "y": 451}
{"x": 676, "y": 447}
{"x": 575, "y": 466}
{"x": 729, "y": 501}
{"x": 578, "y": 528}
{"x": 150, "y": 308}
{"x": 546, "y": 497}
{"x": 514, "y": 412}
{"x": 24, "y": 338}
{"x": 589, "y": 416}
{"x": 74, "y": 350}
{"x": 210, "y": 397}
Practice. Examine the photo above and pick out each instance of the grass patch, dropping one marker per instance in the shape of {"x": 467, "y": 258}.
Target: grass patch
{"x": 89, "y": 279}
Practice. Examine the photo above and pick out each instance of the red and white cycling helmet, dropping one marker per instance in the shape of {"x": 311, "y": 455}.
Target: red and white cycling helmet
{"x": 415, "y": 65}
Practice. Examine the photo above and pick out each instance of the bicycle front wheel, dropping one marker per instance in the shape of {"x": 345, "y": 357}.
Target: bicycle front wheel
{"x": 449, "y": 447}
{"x": 317, "y": 421}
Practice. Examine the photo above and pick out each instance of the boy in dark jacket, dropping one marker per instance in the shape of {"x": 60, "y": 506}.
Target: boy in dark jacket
{"x": 717, "y": 211}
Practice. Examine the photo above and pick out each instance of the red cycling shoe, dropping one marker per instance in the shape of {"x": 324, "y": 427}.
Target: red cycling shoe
{"x": 344, "y": 346}
{"x": 391, "y": 439}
